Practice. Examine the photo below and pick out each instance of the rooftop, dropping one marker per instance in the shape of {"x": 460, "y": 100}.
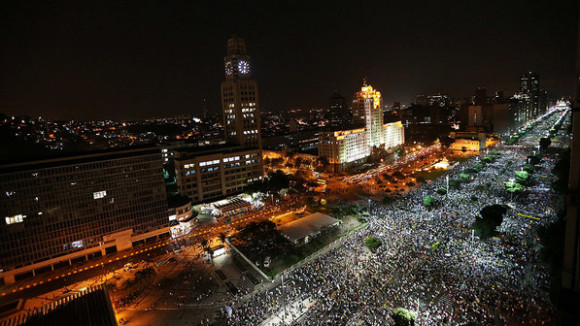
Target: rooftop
{"x": 306, "y": 226}
{"x": 76, "y": 158}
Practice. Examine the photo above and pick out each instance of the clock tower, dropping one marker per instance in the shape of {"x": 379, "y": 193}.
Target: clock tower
{"x": 240, "y": 98}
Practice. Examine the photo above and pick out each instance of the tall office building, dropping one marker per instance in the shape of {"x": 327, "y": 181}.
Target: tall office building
{"x": 214, "y": 172}
{"x": 530, "y": 82}
{"x": 338, "y": 114}
{"x": 240, "y": 98}
{"x": 367, "y": 108}
{"x": 77, "y": 207}
{"x": 348, "y": 146}
{"x": 530, "y": 102}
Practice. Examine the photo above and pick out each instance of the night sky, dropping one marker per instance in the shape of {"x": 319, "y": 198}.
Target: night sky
{"x": 142, "y": 59}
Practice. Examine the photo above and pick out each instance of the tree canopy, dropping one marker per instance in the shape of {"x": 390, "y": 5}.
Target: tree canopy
{"x": 404, "y": 317}
{"x": 428, "y": 201}
{"x": 513, "y": 187}
{"x": 373, "y": 243}
{"x": 522, "y": 177}
{"x": 278, "y": 180}
{"x": 491, "y": 217}
{"x": 455, "y": 184}
{"x": 488, "y": 159}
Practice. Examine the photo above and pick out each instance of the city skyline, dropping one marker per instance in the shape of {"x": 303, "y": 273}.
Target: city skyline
{"x": 125, "y": 61}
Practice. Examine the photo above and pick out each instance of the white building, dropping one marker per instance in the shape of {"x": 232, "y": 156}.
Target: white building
{"x": 346, "y": 147}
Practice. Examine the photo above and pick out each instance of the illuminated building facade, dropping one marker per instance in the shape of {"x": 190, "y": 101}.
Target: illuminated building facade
{"x": 393, "y": 134}
{"x": 240, "y": 98}
{"x": 73, "y": 208}
{"x": 367, "y": 108}
{"x": 344, "y": 148}
{"x": 530, "y": 102}
{"x": 213, "y": 173}
{"x": 347, "y": 147}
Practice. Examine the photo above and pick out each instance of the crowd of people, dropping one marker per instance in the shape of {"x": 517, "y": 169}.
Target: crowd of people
{"x": 430, "y": 262}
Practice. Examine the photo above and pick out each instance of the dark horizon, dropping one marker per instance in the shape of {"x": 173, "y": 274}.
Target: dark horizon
{"x": 141, "y": 60}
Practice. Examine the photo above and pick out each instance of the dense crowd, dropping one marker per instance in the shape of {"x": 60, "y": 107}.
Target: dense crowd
{"x": 430, "y": 262}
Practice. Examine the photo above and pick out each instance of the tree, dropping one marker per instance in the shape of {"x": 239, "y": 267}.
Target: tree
{"x": 528, "y": 168}
{"x": 513, "y": 187}
{"x": 562, "y": 171}
{"x": 387, "y": 200}
{"x": 465, "y": 176}
{"x": 446, "y": 141}
{"x": 428, "y": 201}
{"x": 258, "y": 231}
{"x": 473, "y": 198}
{"x": 522, "y": 177}
{"x": 488, "y": 159}
{"x": 267, "y": 161}
{"x": 534, "y": 159}
{"x": 455, "y": 184}
{"x": 491, "y": 217}
{"x": 373, "y": 243}
{"x": 298, "y": 162}
{"x": 223, "y": 237}
{"x": 479, "y": 165}
{"x": 470, "y": 171}
{"x": 204, "y": 243}
{"x": 442, "y": 191}
{"x": 277, "y": 161}
{"x": 404, "y": 317}
{"x": 278, "y": 180}
{"x": 545, "y": 143}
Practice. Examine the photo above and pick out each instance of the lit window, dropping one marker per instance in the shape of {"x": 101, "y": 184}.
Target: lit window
{"x": 19, "y": 218}
{"x": 99, "y": 194}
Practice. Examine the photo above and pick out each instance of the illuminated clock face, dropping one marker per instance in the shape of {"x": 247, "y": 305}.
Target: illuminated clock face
{"x": 229, "y": 68}
{"x": 243, "y": 67}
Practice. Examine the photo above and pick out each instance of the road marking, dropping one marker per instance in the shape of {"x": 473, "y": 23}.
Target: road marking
{"x": 530, "y": 217}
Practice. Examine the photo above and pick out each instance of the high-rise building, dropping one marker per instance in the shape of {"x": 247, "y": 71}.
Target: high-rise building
{"x": 72, "y": 208}
{"x": 338, "y": 114}
{"x": 530, "y": 102}
{"x": 240, "y": 98}
{"x": 530, "y": 82}
{"x": 217, "y": 171}
{"x": 344, "y": 147}
{"x": 367, "y": 108}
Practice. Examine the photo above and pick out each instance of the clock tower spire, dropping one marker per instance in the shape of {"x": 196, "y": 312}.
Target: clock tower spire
{"x": 237, "y": 62}
{"x": 240, "y": 102}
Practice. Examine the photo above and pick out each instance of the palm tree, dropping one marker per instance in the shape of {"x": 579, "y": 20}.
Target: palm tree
{"x": 223, "y": 237}
{"x": 204, "y": 243}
